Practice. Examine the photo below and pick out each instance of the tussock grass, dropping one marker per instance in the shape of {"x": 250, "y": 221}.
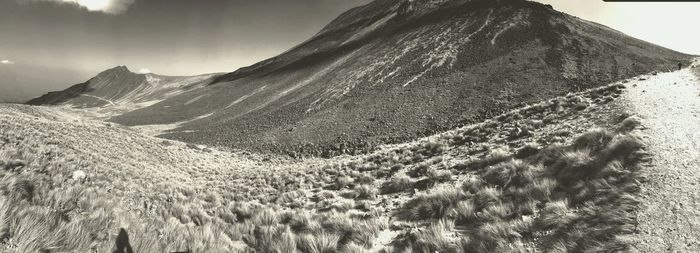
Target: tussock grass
{"x": 397, "y": 184}
{"x": 431, "y": 206}
{"x": 594, "y": 140}
{"x": 577, "y": 197}
{"x": 495, "y": 157}
{"x": 342, "y": 182}
{"x": 513, "y": 173}
{"x": 533, "y": 189}
{"x": 322, "y": 243}
{"x": 429, "y": 239}
{"x": 366, "y": 192}
{"x": 629, "y": 124}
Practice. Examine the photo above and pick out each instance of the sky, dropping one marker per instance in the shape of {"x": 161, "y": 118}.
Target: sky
{"x": 669, "y": 24}
{"x": 171, "y": 37}
{"x": 187, "y": 37}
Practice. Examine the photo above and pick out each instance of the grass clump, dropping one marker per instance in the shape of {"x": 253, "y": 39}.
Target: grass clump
{"x": 578, "y": 198}
{"x": 512, "y": 173}
{"x": 431, "y": 206}
{"x": 321, "y": 243}
{"x": 430, "y": 239}
{"x": 342, "y": 182}
{"x": 397, "y": 184}
{"x": 366, "y": 192}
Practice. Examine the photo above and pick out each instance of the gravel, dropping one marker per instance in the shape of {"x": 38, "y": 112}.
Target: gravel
{"x": 669, "y": 215}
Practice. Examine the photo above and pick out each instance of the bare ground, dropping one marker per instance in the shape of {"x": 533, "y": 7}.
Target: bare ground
{"x": 669, "y": 215}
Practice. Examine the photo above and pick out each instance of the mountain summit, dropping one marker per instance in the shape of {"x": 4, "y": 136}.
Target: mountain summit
{"x": 98, "y": 91}
{"x": 390, "y": 71}
{"x": 120, "y": 87}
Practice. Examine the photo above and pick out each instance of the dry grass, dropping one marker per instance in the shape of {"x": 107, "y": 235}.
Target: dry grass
{"x": 488, "y": 187}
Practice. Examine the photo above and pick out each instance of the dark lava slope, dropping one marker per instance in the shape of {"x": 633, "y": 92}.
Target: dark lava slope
{"x": 392, "y": 70}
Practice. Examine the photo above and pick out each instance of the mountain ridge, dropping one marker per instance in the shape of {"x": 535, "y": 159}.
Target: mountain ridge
{"x": 120, "y": 87}
{"x": 377, "y": 75}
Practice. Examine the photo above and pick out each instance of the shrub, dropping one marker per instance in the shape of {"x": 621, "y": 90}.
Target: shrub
{"x": 495, "y": 157}
{"x": 342, "y": 205}
{"x": 428, "y": 240}
{"x": 323, "y": 195}
{"x": 432, "y": 206}
{"x": 572, "y": 166}
{"x": 302, "y": 222}
{"x": 499, "y": 236}
{"x": 472, "y": 184}
{"x": 465, "y": 211}
{"x": 439, "y": 175}
{"x": 527, "y": 151}
{"x": 342, "y": 182}
{"x": 430, "y": 149}
{"x": 630, "y": 124}
{"x": 555, "y": 214}
{"x": 486, "y": 196}
{"x": 593, "y": 140}
{"x": 353, "y": 248}
{"x": 267, "y": 217}
{"x": 18, "y": 189}
{"x": 366, "y": 192}
{"x": 418, "y": 171}
{"x": 512, "y": 173}
{"x": 320, "y": 243}
{"x": 397, "y": 184}
{"x": 623, "y": 148}
{"x": 364, "y": 179}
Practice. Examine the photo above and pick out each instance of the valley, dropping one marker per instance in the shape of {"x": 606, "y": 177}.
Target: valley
{"x": 401, "y": 126}
{"x": 171, "y": 196}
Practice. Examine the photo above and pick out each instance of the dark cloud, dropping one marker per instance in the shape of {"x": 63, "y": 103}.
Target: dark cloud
{"x": 106, "y": 6}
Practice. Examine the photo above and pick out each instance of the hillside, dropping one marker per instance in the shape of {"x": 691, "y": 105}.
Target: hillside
{"x": 392, "y": 71}
{"x": 544, "y": 177}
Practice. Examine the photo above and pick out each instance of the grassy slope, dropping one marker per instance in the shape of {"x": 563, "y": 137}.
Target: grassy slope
{"x": 505, "y": 184}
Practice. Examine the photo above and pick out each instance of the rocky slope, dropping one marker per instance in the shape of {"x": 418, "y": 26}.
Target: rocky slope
{"x": 390, "y": 71}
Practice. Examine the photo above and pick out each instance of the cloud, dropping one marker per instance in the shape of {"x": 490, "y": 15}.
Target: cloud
{"x": 106, "y": 6}
{"x": 144, "y": 71}
{"x": 7, "y": 62}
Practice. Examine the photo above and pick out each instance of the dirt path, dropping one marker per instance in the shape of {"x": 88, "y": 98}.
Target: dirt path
{"x": 669, "y": 217}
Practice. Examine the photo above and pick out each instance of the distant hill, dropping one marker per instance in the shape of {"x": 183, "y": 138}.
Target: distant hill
{"x": 390, "y": 71}
{"x": 121, "y": 87}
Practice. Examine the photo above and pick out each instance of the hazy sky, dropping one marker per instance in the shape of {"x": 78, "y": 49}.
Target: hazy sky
{"x": 184, "y": 37}
{"x": 176, "y": 37}
{"x": 669, "y": 24}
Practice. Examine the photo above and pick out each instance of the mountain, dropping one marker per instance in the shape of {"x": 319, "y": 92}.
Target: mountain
{"x": 20, "y": 81}
{"x": 119, "y": 87}
{"x": 390, "y": 71}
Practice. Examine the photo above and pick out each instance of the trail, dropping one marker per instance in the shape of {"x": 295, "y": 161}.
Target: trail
{"x": 669, "y": 215}
{"x": 99, "y": 98}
